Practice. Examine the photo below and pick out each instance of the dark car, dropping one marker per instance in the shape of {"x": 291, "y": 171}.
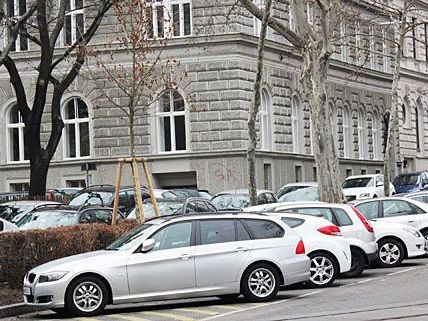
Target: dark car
{"x": 188, "y": 192}
{"x": 104, "y": 195}
{"x": 410, "y": 182}
{"x": 175, "y": 206}
{"x": 51, "y": 216}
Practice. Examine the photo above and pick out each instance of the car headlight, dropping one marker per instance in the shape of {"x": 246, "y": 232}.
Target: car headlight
{"x": 413, "y": 231}
{"x": 363, "y": 195}
{"x": 52, "y": 276}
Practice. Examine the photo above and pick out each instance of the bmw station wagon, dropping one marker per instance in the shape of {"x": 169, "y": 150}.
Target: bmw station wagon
{"x": 186, "y": 256}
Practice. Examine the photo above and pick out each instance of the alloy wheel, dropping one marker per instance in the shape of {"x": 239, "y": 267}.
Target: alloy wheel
{"x": 389, "y": 253}
{"x": 87, "y": 296}
{"x": 261, "y": 282}
{"x": 322, "y": 270}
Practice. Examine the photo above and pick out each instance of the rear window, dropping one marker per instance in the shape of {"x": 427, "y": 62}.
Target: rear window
{"x": 407, "y": 179}
{"x": 342, "y": 217}
{"x": 292, "y": 221}
{"x": 264, "y": 229}
{"x": 370, "y": 210}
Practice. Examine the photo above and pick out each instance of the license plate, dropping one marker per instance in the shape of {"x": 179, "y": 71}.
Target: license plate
{"x": 27, "y": 290}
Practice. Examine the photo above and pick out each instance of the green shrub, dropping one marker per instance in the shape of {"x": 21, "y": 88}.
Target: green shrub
{"x": 22, "y": 251}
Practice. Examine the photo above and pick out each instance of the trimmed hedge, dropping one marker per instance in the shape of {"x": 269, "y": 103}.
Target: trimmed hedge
{"x": 22, "y": 251}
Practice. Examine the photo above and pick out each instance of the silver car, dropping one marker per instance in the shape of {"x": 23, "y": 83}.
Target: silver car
{"x": 187, "y": 256}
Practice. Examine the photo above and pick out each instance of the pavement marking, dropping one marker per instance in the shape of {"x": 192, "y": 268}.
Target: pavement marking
{"x": 127, "y": 317}
{"x": 227, "y": 307}
{"x": 402, "y": 271}
{"x": 197, "y": 310}
{"x": 364, "y": 281}
{"x": 168, "y": 316}
{"x": 87, "y": 319}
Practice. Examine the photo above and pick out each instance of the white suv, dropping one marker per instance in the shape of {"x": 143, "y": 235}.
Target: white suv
{"x": 364, "y": 186}
{"x": 354, "y": 227}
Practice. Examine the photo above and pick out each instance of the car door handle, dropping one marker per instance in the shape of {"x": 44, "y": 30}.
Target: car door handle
{"x": 241, "y": 249}
{"x": 185, "y": 256}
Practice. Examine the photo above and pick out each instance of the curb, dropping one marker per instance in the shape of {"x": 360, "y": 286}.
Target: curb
{"x": 17, "y": 309}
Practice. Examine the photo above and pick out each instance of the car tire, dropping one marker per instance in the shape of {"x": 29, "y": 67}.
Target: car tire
{"x": 86, "y": 296}
{"x": 229, "y": 297}
{"x": 358, "y": 262}
{"x": 391, "y": 253}
{"x": 260, "y": 282}
{"x": 324, "y": 269}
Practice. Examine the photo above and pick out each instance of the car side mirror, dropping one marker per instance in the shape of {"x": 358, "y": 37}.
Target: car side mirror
{"x": 379, "y": 184}
{"x": 148, "y": 245}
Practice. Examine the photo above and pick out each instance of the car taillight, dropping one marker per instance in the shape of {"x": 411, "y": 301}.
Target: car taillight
{"x": 363, "y": 220}
{"x": 330, "y": 230}
{"x": 300, "y": 248}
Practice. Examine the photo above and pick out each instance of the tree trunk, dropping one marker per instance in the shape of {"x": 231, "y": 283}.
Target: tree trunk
{"x": 38, "y": 176}
{"x": 254, "y": 109}
{"x": 314, "y": 80}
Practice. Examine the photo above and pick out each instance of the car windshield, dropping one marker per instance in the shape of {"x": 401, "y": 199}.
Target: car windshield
{"x": 126, "y": 241}
{"x": 289, "y": 189}
{"x": 358, "y": 182}
{"x": 165, "y": 208}
{"x": 47, "y": 219}
{"x": 409, "y": 179}
{"x": 303, "y": 194}
{"x": 230, "y": 201}
{"x": 9, "y": 212}
{"x": 92, "y": 198}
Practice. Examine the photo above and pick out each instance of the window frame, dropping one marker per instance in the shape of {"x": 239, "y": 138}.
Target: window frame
{"x": 362, "y": 150}
{"x": 17, "y": 14}
{"x": 76, "y": 122}
{"x": 347, "y": 134}
{"x": 192, "y": 235}
{"x": 21, "y": 132}
{"x": 265, "y": 117}
{"x": 73, "y": 12}
{"x": 199, "y": 234}
{"x": 171, "y": 115}
{"x": 296, "y": 124}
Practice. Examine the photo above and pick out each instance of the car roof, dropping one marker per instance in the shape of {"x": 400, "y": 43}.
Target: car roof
{"x": 107, "y": 188}
{"x": 309, "y": 184}
{"x": 28, "y": 202}
{"x": 362, "y": 176}
{"x": 243, "y": 191}
{"x": 411, "y": 173}
{"x": 312, "y": 204}
{"x": 390, "y": 198}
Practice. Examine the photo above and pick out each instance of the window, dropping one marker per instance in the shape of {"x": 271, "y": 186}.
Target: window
{"x": 372, "y": 47}
{"x": 370, "y": 210}
{"x": 291, "y": 22}
{"x": 171, "y": 122}
{"x": 358, "y": 54}
{"x": 298, "y": 173}
{"x": 75, "y": 183}
{"x": 173, "y": 236}
{"x": 426, "y": 40}
{"x": 418, "y": 138}
{"x": 76, "y": 121}
{"x": 347, "y": 142}
{"x": 361, "y": 136}
{"x": 16, "y": 136}
{"x": 217, "y": 231}
{"x": 242, "y": 232}
{"x": 376, "y": 135}
{"x": 169, "y": 17}
{"x": 296, "y": 116}
{"x": 414, "y": 38}
{"x": 73, "y": 22}
{"x": 385, "y": 51}
{"x": 396, "y": 208}
{"x": 310, "y": 12}
{"x": 344, "y": 44}
{"x": 342, "y": 217}
{"x": 292, "y": 222}
{"x": 317, "y": 211}
{"x": 258, "y": 24}
{"x": 265, "y": 121}
{"x": 19, "y": 187}
{"x": 16, "y": 8}
{"x": 404, "y": 111}
{"x": 96, "y": 216}
{"x": 264, "y": 229}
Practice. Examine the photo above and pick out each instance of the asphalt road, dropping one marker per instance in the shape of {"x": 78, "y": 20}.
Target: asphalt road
{"x": 380, "y": 294}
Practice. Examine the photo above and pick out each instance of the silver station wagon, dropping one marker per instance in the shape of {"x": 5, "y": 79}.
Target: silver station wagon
{"x": 185, "y": 256}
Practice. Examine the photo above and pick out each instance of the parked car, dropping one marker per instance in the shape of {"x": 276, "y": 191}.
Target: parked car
{"x": 328, "y": 250}
{"x": 181, "y": 193}
{"x": 421, "y": 196}
{"x": 104, "y": 195}
{"x": 364, "y": 186}
{"x": 292, "y": 187}
{"x": 397, "y": 242}
{"x": 56, "y": 216}
{"x": 14, "y": 210}
{"x": 410, "y": 182}
{"x": 174, "y": 206}
{"x": 6, "y": 226}
{"x": 62, "y": 192}
{"x": 237, "y": 199}
{"x": 354, "y": 227}
{"x": 233, "y": 254}
{"x": 397, "y": 210}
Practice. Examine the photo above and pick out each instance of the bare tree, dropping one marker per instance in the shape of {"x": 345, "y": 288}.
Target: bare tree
{"x": 254, "y": 109}
{"x": 57, "y": 69}
{"x": 314, "y": 42}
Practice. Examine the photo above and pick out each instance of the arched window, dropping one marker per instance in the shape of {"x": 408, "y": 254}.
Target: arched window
{"x": 347, "y": 141}
{"x": 361, "y": 136}
{"x": 265, "y": 121}
{"x": 16, "y": 136}
{"x": 418, "y": 138}
{"x": 376, "y": 135}
{"x": 76, "y": 121}
{"x": 171, "y": 122}
{"x": 296, "y": 126}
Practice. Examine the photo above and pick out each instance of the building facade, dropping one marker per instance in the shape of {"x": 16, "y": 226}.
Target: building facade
{"x": 196, "y": 135}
